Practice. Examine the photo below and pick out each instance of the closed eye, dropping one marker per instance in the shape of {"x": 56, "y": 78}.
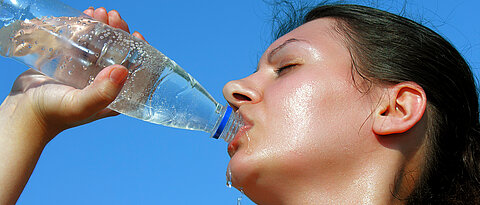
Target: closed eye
{"x": 285, "y": 68}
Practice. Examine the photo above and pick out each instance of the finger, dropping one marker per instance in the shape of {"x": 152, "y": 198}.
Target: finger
{"x": 104, "y": 113}
{"x": 101, "y": 15}
{"x": 138, "y": 35}
{"x": 99, "y": 94}
{"x": 89, "y": 11}
{"x": 116, "y": 21}
{"x": 99, "y": 115}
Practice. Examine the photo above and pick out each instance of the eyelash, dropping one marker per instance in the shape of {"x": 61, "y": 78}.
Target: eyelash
{"x": 281, "y": 69}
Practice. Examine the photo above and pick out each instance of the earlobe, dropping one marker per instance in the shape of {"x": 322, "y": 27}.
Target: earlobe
{"x": 400, "y": 109}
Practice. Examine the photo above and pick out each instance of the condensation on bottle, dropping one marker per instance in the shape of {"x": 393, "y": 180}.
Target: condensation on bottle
{"x": 73, "y": 48}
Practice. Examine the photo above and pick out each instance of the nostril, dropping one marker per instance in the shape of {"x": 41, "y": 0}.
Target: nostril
{"x": 241, "y": 97}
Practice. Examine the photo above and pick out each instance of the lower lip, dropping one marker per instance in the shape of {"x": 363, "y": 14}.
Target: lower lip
{"x": 233, "y": 145}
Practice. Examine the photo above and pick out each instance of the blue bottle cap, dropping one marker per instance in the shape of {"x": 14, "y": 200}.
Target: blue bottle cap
{"x": 227, "y": 114}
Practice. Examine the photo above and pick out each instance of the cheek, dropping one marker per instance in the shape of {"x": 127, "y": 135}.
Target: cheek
{"x": 315, "y": 121}
{"x": 296, "y": 116}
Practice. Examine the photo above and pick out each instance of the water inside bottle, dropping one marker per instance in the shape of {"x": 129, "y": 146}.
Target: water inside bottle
{"x": 74, "y": 49}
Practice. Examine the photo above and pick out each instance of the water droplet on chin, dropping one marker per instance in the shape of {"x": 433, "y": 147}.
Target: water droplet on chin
{"x": 229, "y": 176}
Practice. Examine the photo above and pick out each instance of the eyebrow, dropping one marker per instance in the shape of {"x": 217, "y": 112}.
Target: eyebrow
{"x": 275, "y": 50}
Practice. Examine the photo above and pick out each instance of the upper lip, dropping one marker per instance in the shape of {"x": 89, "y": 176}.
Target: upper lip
{"x": 234, "y": 144}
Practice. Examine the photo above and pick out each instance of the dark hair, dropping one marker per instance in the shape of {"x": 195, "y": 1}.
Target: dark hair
{"x": 388, "y": 48}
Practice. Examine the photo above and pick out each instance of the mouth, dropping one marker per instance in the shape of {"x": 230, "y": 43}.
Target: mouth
{"x": 236, "y": 142}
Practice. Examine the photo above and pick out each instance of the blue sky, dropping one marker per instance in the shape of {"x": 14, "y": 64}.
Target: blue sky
{"x": 122, "y": 160}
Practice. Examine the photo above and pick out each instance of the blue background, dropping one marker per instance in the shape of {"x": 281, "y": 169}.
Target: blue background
{"x": 122, "y": 160}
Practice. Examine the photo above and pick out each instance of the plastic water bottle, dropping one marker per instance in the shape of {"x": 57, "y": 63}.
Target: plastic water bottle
{"x": 73, "y": 48}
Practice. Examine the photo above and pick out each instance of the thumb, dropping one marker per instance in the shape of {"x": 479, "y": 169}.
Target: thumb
{"x": 101, "y": 92}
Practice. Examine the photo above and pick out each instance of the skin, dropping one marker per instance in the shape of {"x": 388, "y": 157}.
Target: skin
{"x": 38, "y": 108}
{"x": 311, "y": 136}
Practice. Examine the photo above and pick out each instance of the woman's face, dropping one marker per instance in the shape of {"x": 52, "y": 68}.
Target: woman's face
{"x": 305, "y": 117}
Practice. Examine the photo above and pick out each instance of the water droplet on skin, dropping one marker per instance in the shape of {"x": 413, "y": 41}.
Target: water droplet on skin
{"x": 248, "y": 151}
{"x": 97, "y": 55}
{"x": 50, "y": 49}
{"x": 70, "y": 72}
{"x": 229, "y": 176}
{"x": 85, "y": 67}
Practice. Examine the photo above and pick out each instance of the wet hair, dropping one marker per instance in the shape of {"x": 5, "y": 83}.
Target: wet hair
{"x": 388, "y": 48}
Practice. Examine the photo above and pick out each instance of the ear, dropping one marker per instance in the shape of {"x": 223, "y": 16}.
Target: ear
{"x": 400, "y": 109}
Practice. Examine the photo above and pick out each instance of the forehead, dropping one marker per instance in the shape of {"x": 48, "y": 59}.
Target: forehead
{"x": 319, "y": 33}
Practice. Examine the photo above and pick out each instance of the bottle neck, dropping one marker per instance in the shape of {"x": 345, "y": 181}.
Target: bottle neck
{"x": 229, "y": 125}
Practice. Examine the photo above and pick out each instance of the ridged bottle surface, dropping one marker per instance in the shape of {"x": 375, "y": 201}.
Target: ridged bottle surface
{"x": 73, "y": 50}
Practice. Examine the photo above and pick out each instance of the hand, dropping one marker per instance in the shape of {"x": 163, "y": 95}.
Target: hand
{"x": 39, "y": 107}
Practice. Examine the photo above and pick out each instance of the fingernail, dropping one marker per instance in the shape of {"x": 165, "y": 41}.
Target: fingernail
{"x": 118, "y": 14}
{"x": 119, "y": 75}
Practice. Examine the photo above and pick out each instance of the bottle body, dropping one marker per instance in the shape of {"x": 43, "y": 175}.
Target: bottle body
{"x": 74, "y": 49}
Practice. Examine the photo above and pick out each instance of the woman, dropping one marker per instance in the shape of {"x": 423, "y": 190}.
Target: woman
{"x": 357, "y": 105}
{"x": 354, "y": 106}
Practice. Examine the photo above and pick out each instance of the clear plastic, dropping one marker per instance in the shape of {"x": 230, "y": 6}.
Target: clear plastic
{"x": 69, "y": 46}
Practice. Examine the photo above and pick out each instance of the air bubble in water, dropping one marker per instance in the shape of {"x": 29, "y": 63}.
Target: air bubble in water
{"x": 90, "y": 80}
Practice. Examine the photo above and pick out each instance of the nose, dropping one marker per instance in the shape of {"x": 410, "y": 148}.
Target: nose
{"x": 240, "y": 92}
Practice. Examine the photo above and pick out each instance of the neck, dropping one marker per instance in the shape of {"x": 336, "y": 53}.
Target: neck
{"x": 372, "y": 181}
